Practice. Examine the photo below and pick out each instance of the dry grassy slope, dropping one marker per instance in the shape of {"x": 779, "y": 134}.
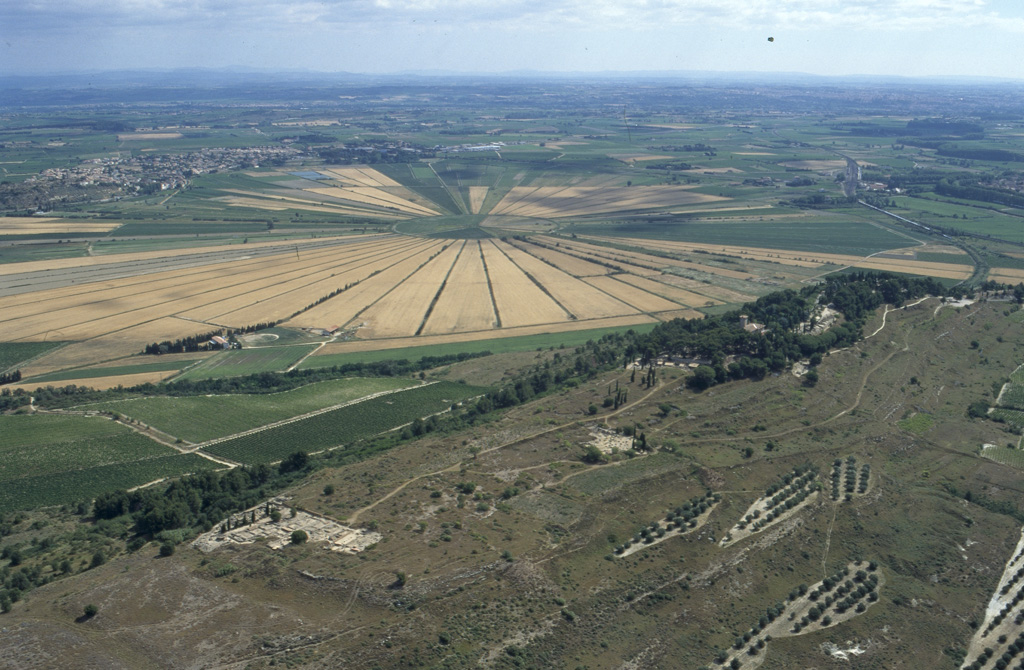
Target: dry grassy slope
{"x": 670, "y": 606}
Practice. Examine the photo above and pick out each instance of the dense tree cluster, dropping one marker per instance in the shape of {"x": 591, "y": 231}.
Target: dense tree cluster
{"x": 201, "y": 500}
{"x": 980, "y": 154}
{"x": 778, "y": 343}
{"x": 970, "y": 189}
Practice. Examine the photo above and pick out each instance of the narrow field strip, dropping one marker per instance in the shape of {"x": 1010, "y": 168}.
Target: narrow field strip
{"x": 142, "y": 258}
{"x": 681, "y": 296}
{"x": 518, "y": 300}
{"x": 782, "y": 256}
{"x": 342, "y": 309}
{"x": 400, "y": 311}
{"x": 477, "y": 195}
{"x": 575, "y": 295}
{"x": 638, "y": 298}
{"x": 574, "y": 265}
{"x": 93, "y": 294}
{"x": 440, "y": 290}
{"x": 466, "y": 304}
{"x": 373, "y": 196}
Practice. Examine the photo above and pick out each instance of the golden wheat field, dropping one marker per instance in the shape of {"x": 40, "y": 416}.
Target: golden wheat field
{"x": 32, "y": 225}
{"x": 803, "y": 258}
{"x": 563, "y": 201}
{"x": 392, "y": 290}
{"x": 465, "y": 305}
{"x": 477, "y": 195}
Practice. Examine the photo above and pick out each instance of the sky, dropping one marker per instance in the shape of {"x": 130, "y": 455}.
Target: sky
{"x": 826, "y": 37}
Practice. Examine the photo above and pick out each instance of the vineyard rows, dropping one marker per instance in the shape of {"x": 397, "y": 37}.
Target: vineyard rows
{"x": 343, "y": 425}
{"x": 84, "y": 484}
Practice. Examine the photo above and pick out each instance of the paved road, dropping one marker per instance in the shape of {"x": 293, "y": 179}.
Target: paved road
{"x": 852, "y": 177}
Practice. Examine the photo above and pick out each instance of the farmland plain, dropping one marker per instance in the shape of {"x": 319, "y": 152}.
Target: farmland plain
{"x": 359, "y": 241}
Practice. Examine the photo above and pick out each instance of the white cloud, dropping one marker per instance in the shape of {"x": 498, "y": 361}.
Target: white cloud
{"x": 596, "y": 14}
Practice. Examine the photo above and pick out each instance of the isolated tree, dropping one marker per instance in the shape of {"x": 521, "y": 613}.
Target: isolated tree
{"x": 91, "y": 611}
{"x": 299, "y": 537}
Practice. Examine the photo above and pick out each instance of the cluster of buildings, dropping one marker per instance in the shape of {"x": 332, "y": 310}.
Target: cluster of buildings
{"x": 130, "y": 174}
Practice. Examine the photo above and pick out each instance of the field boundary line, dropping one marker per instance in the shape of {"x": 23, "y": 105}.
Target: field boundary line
{"x": 318, "y": 348}
{"x": 456, "y": 197}
{"x": 344, "y": 265}
{"x": 406, "y": 278}
{"x": 638, "y": 288}
{"x": 596, "y": 288}
{"x": 490, "y": 286}
{"x": 543, "y": 288}
{"x": 440, "y": 290}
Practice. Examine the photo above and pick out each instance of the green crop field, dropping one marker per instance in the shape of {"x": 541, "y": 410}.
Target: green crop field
{"x": 919, "y": 423}
{"x": 87, "y": 482}
{"x": 953, "y": 259}
{"x": 49, "y": 459}
{"x": 343, "y": 425}
{"x": 205, "y": 418}
{"x": 41, "y": 444}
{"x": 1012, "y": 417}
{"x": 842, "y": 237}
{"x": 972, "y": 216}
{"x": 248, "y": 361}
{"x": 23, "y": 253}
{"x": 1011, "y": 457}
{"x": 495, "y": 346}
{"x": 1017, "y": 376}
{"x": 92, "y": 373}
{"x": 1013, "y": 397}
{"x": 12, "y": 353}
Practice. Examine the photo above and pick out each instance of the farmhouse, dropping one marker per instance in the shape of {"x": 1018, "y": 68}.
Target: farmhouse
{"x": 750, "y": 326}
{"x": 218, "y": 342}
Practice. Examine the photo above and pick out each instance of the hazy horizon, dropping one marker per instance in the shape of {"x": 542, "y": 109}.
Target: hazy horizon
{"x": 911, "y": 38}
